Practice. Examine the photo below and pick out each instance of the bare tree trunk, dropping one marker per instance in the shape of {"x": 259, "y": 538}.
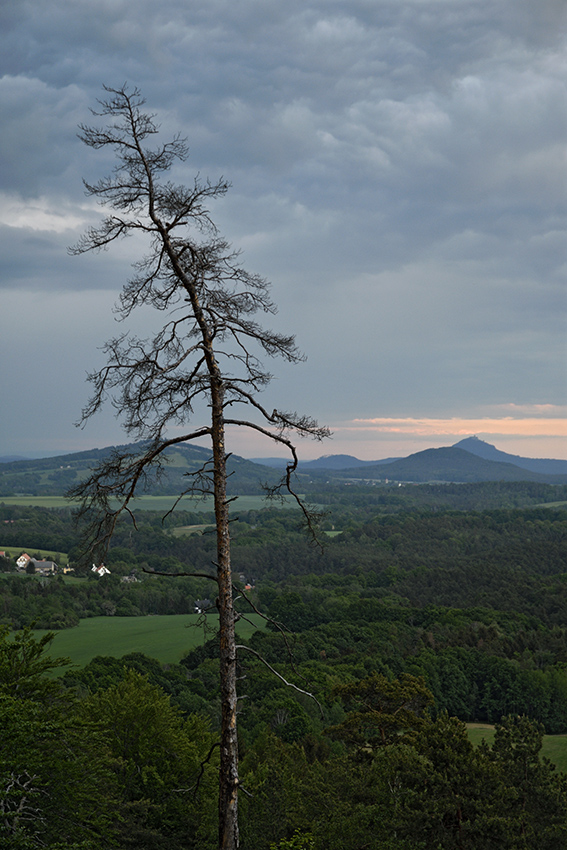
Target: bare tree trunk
{"x": 156, "y": 382}
{"x": 228, "y": 783}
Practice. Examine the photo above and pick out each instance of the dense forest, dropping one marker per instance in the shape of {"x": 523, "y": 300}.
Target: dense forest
{"x": 427, "y": 606}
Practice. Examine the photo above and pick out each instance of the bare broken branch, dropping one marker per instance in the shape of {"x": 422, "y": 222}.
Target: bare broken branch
{"x": 279, "y": 675}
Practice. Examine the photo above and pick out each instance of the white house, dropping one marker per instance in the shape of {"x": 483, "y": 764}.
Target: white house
{"x": 23, "y": 561}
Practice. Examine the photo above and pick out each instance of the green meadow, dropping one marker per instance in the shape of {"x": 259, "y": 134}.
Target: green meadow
{"x": 187, "y": 530}
{"x": 37, "y": 501}
{"x": 157, "y": 503}
{"x": 167, "y": 638}
{"x": 61, "y": 558}
{"x": 554, "y": 746}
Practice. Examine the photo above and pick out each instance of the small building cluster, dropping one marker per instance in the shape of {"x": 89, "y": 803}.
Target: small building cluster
{"x": 248, "y": 584}
{"x": 42, "y": 567}
{"x": 129, "y": 579}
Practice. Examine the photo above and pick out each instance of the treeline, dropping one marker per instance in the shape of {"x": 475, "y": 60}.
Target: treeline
{"x": 362, "y": 501}
{"x": 51, "y": 603}
{"x": 507, "y": 560}
{"x": 55, "y": 476}
{"x": 477, "y": 681}
{"x": 475, "y": 602}
{"x": 109, "y": 757}
{"x": 37, "y": 528}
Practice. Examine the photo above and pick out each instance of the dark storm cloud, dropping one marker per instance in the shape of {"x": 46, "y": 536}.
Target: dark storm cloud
{"x": 398, "y": 169}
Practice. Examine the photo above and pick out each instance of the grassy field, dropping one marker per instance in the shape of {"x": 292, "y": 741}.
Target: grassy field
{"x": 61, "y": 558}
{"x": 37, "y": 501}
{"x": 166, "y": 638}
{"x": 68, "y": 579}
{"x": 187, "y": 530}
{"x": 157, "y": 503}
{"x": 554, "y": 746}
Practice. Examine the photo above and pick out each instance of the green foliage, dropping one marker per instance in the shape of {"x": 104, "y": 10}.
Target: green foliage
{"x": 118, "y": 765}
{"x": 472, "y": 606}
{"x": 536, "y": 795}
{"x": 156, "y": 758}
{"x": 298, "y": 841}
{"x": 120, "y": 768}
{"x": 50, "y": 766}
{"x": 23, "y": 665}
{"x": 459, "y": 798}
{"x": 285, "y": 792}
{"x": 381, "y": 712}
{"x": 282, "y": 712}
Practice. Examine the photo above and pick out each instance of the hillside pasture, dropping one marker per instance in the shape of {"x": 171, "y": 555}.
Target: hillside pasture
{"x": 196, "y": 504}
{"x": 166, "y": 638}
{"x": 554, "y": 747}
{"x": 37, "y": 501}
{"x": 60, "y": 558}
{"x": 188, "y": 530}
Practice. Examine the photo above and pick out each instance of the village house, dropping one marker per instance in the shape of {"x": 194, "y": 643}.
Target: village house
{"x": 44, "y": 568}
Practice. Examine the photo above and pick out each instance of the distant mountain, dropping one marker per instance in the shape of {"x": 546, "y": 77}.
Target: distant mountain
{"x": 321, "y": 463}
{"x": 470, "y": 460}
{"x": 274, "y": 462}
{"x": 340, "y": 462}
{"x": 450, "y": 464}
{"x": 54, "y": 476}
{"x": 12, "y": 458}
{"x": 545, "y": 466}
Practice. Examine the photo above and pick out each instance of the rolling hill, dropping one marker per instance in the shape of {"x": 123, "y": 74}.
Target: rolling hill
{"x": 450, "y": 464}
{"x": 432, "y": 465}
{"x": 470, "y": 460}
{"x": 54, "y": 476}
{"x": 545, "y": 466}
{"x": 325, "y": 462}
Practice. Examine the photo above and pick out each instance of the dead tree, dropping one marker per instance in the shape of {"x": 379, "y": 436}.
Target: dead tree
{"x": 206, "y": 355}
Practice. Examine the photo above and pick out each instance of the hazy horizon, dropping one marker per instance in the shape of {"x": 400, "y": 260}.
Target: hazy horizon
{"x": 276, "y": 454}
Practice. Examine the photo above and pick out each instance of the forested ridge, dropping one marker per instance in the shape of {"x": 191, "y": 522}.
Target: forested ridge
{"x": 423, "y": 610}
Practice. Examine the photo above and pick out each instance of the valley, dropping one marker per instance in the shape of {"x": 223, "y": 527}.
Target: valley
{"x": 446, "y": 600}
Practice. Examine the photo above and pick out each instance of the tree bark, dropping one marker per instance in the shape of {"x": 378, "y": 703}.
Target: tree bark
{"x": 228, "y": 783}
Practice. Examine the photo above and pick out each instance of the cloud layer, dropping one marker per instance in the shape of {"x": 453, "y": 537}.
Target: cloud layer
{"x": 398, "y": 171}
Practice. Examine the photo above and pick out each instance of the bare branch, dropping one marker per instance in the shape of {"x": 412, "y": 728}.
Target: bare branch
{"x": 277, "y": 625}
{"x": 194, "y": 788}
{"x": 179, "y": 574}
{"x": 280, "y": 627}
{"x": 279, "y": 675}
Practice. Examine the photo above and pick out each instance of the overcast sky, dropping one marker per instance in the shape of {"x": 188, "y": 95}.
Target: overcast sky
{"x": 398, "y": 172}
